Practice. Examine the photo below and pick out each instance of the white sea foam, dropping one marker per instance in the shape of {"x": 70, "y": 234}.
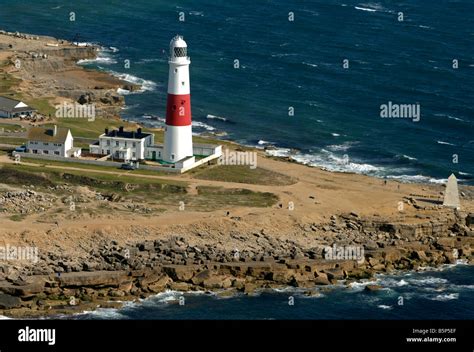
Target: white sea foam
{"x": 455, "y": 118}
{"x": 145, "y": 85}
{"x": 340, "y": 147}
{"x": 446, "y": 297}
{"x": 446, "y": 143}
{"x": 214, "y": 117}
{"x": 196, "y": 13}
{"x": 103, "y": 313}
{"x": 393, "y": 282}
{"x": 310, "y": 64}
{"x": 326, "y": 160}
{"x": 335, "y": 134}
{"x": 283, "y": 55}
{"x": 123, "y": 91}
{"x": 372, "y": 7}
{"x": 364, "y": 9}
{"x": 409, "y": 157}
{"x": 262, "y": 142}
{"x": 105, "y": 60}
{"x": 418, "y": 179}
{"x": 428, "y": 281}
{"x": 280, "y": 152}
{"x": 450, "y": 117}
{"x": 203, "y": 125}
{"x": 83, "y": 44}
{"x": 360, "y": 286}
{"x": 383, "y": 306}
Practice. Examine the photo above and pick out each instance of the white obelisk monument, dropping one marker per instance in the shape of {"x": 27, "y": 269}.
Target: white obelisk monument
{"x": 451, "y": 194}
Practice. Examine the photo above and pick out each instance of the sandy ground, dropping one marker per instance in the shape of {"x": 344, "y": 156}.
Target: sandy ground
{"x": 333, "y": 193}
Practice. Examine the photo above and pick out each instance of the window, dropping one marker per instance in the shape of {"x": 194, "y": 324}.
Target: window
{"x": 108, "y": 142}
{"x": 45, "y": 143}
{"x": 35, "y": 151}
{"x": 45, "y": 151}
{"x": 117, "y": 143}
{"x": 108, "y": 151}
{"x": 125, "y": 144}
{"x": 172, "y": 156}
{"x": 180, "y": 52}
{"x": 56, "y": 153}
{"x": 182, "y": 83}
{"x": 134, "y": 155}
{"x": 134, "y": 144}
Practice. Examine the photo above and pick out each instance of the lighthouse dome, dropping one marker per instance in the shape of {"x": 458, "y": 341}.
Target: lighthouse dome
{"x": 178, "y": 47}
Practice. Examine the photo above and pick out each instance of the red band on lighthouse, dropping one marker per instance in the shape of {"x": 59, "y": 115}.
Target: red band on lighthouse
{"x": 178, "y": 110}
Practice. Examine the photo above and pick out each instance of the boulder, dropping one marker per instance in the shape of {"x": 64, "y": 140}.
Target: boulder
{"x": 321, "y": 279}
{"x": 199, "y": 278}
{"x": 372, "y": 288}
{"x": 470, "y": 220}
{"x": 92, "y": 279}
{"x": 337, "y": 274}
{"x": 180, "y": 286}
{"x": 419, "y": 255}
{"x": 9, "y": 302}
{"x": 250, "y": 288}
{"x": 160, "y": 285}
{"x": 180, "y": 272}
{"x": 217, "y": 282}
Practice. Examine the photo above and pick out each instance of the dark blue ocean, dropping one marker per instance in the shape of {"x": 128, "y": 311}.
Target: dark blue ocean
{"x": 298, "y": 65}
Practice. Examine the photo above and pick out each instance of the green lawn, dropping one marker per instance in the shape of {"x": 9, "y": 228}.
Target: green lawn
{"x": 90, "y": 167}
{"x": 11, "y": 127}
{"x": 243, "y": 174}
{"x": 12, "y": 141}
{"x": 156, "y": 192}
{"x": 43, "y": 105}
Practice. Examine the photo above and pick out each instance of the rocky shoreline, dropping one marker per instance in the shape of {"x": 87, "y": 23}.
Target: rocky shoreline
{"x": 46, "y": 67}
{"x": 112, "y": 272}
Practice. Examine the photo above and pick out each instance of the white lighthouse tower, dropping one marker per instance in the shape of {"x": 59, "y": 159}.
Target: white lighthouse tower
{"x": 178, "y": 141}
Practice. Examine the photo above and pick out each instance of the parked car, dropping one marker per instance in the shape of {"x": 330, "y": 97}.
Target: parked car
{"x": 127, "y": 167}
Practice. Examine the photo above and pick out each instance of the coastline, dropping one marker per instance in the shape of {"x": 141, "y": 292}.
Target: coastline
{"x": 86, "y": 258}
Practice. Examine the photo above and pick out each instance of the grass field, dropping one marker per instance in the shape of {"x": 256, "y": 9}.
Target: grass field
{"x": 12, "y": 141}
{"x": 11, "y": 127}
{"x": 156, "y": 192}
{"x": 243, "y": 174}
{"x": 87, "y": 167}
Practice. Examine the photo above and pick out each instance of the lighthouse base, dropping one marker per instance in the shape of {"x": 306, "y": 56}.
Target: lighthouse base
{"x": 178, "y": 143}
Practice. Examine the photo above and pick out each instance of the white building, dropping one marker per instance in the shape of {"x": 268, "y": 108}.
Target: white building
{"x": 52, "y": 141}
{"x": 123, "y": 145}
{"x": 14, "y": 108}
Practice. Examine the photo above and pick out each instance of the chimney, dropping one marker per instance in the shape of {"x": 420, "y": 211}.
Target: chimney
{"x": 139, "y": 131}
{"x": 121, "y": 129}
{"x": 55, "y": 130}
{"x": 106, "y": 131}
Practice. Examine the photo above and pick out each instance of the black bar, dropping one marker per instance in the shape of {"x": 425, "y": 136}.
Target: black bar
{"x": 355, "y": 335}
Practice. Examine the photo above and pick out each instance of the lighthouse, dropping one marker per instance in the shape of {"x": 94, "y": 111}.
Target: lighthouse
{"x": 178, "y": 140}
